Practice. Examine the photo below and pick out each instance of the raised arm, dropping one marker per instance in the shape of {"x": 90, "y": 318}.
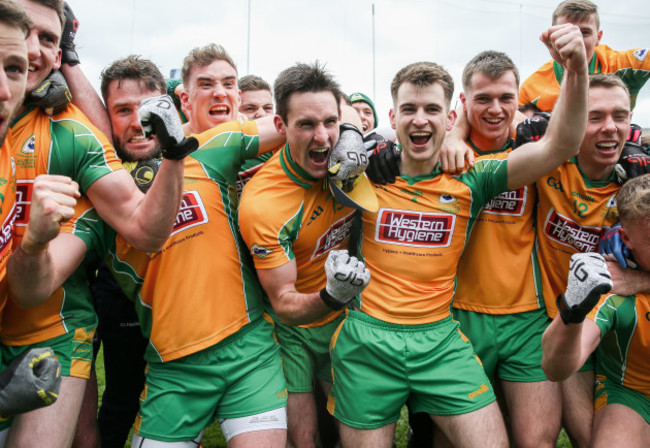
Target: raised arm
{"x": 568, "y": 122}
{"x": 570, "y": 339}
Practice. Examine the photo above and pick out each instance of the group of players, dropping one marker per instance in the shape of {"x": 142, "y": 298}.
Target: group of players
{"x": 246, "y": 297}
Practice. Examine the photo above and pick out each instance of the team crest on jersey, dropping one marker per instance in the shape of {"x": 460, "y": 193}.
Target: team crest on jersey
{"x": 333, "y": 237}
{"x": 260, "y": 251}
{"x": 446, "y": 198}
{"x": 569, "y": 233}
{"x": 191, "y": 213}
{"x": 30, "y": 144}
{"x": 23, "y": 201}
{"x": 640, "y": 54}
{"x": 511, "y": 203}
{"x": 611, "y": 202}
{"x": 411, "y": 228}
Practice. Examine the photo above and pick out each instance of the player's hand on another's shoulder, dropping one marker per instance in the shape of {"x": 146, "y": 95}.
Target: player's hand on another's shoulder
{"x": 566, "y": 45}
{"x": 346, "y": 278}
{"x": 158, "y": 116}
{"x": 383, "y": 159}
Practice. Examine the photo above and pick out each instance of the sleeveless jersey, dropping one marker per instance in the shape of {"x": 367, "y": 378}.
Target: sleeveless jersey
{"x": 498, "y": 272}
{"x": 542, "y": 88}
{"x": 571, "y": 214}
{"x": 413, "y": 243}
{"x": 624, "y": 351}
{"x": 286, "y": 214}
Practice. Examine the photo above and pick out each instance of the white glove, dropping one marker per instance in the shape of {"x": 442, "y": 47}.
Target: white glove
{"x": 349, "y": 154}
{"x": 588, "y": 280}
{"x": 346, "y": 278}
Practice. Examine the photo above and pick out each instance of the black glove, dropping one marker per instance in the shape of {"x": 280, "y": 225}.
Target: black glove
{"x": 635, "y": 134}
{"x": 383, "y": 159}
{"x": 531, "y": 129}
{"x": 588, "y": 280}
{"x": 52, "y": 95}
{"x": 68, "y": 49}
{"x": 158, "y": 116}
{"x": 633, "y": 162}
{"x": 30, "y": 382}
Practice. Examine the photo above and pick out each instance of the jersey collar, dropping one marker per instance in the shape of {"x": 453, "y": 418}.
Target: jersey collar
{"x": 294, "y": 171}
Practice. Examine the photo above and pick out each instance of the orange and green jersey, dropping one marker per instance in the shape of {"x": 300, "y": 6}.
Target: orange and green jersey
{"x": 413, "y": 243}
{"x": 248, "y": 170}
{"x": 66, "y": 144}
{"x": 623, "y": 355}
{"x": 7, "y": 212}
{"x": 498, "y": 272}
{"x": 200, "y": 287}
{"x": 542, "y": 88}
{"x": 572, "y": 211}
{"x": 285, "y": 214}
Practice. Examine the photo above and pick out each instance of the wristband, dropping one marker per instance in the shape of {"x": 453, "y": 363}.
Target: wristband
{"x": 331, "y": 301}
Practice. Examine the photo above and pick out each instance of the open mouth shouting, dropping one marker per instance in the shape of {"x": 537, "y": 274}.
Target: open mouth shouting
{"x": 420, "y": 138}
{"x": 319, "y": 156}
{"x": 220, "y": 111}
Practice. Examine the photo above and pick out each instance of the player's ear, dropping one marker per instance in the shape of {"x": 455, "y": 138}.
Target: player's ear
{"x": 185, "y": 100}
{"x": 391, "y": 115}
{"x": 625, "y": 237}
{"x": 600, "y": 36}
{"x": 463, "y": 99}
{"x": 280, "y": 126}
{"x": 451, "y": 119}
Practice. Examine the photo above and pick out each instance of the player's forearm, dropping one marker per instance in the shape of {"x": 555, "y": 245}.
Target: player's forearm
{"x": 568, "y": 123}
{"x": 153, "y": 218}
{"x": 294, "y": 308}
{"x": 561, "y": 350}
{"x": 31, "y": 275}
{"x": 85, "y": 98}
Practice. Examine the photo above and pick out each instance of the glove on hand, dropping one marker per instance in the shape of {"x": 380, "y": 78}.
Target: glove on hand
{"x": 383, "y": 160}
{"x": 52, "y": 95}
{"x": 349, "y": 152}
{"x": 531, "y": 130}
{"x": 158, "y": 116}
{"x": 633, "y": 162}
{"x": 588, "y": 280}
{"x": 30, "y": 382}
{"x": 346, "y": 278}
{"x": 68, "y": 49}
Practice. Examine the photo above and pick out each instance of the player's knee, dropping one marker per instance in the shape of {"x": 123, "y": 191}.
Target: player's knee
{"x": 275, "y": 419}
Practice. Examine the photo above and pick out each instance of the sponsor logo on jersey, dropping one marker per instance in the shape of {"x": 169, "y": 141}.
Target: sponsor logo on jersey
{"x": 410, "y": 228}
{"x": 29, "y": 145}
{"x": 191, "y": 213}
{"x": 640, "y": 54}
{"x": 554, "y": 183}
{"x": 23, "y": 201}
{"x": 333, "y": 237}
{"x": 260, "y": 251}
{"x": 6, "y": 231}
{"x": 569, "y": 233}
{"x": 510, "y": 203}
{"x": 611, "y": 202}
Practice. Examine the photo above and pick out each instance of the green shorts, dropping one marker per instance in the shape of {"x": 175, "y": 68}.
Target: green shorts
{"x": 611, "y": 392}
{"x": 509, "y": 345}
{"x": 378, "y": 366}
{"x": 306, "y": 354}
{"x": 238, "y": 377}
{"x": 73, "y": 350}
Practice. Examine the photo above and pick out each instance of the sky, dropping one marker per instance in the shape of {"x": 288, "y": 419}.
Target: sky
{"x": 339, "y": 33}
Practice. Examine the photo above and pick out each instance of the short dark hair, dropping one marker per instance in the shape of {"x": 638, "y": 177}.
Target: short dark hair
{"x": 423, "y": 74}
{"x": 12, "y": 14}
{"x": 492, "y": 64}
{"x": 576, "y": 10}
{"x": 57, "y": 6}
{"x": 303, "y": 78}
{"x": 253, "y": 82}
{"x": 133, "y": 67}
{"x": 203, "y": 56}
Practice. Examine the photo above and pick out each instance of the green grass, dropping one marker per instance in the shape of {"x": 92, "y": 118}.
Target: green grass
{"x": 213, "y": 438}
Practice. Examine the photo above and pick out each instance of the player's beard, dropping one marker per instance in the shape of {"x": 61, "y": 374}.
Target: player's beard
{"x": 126, "y": 156}
{"x": 4, "y": 130}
